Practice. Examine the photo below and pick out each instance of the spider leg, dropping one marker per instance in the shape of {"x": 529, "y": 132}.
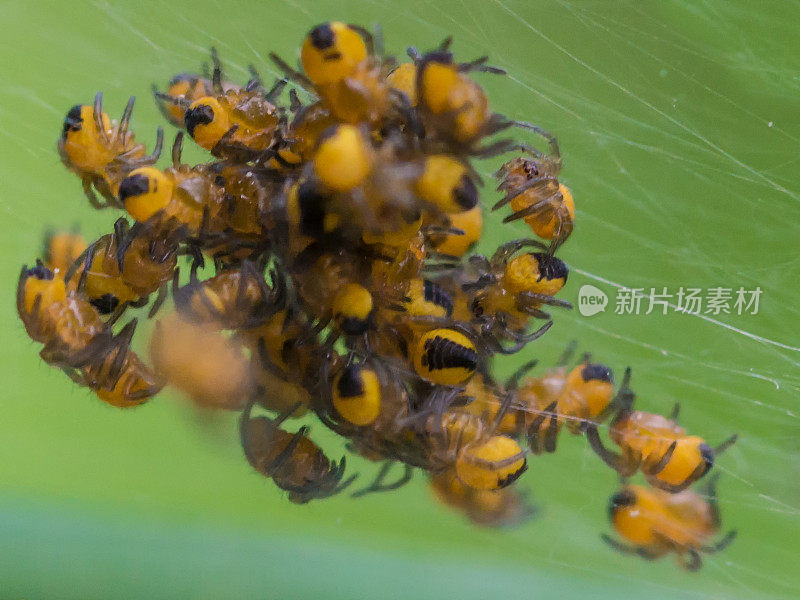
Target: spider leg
{"x": 295, "y": 104}
{"x": 338, "y": 474}
{"x": 512, "y": 383}
{"x": 145, "y": 393}
{"x": 722, "y": 544}
{"x": 675, "y": 488}
{"x": 551, "y": 139}
{"x": 569, "y": 352}
{"x": 159, "y": 301}
{"x": 91, "y": 196}
{"x": 366, "y": 35}
{"x": 97, "y": 114}
{"x": 377, "y": 484}
{"x": 690, "y": 560}
{"x": 159, "y": 145}
{"x": 124, "y": 237}
{"x": 255, "y": 79}
{"x": 445, "y": 44}
{"x": 726, "y": 444}
{"x": 122, "y": 342}
{"x": 122, "y": 128}
{"x": 624, "y": 399}
{"x": 508, "y": 249}
{"x": 675, "y": 412}
{"x": 265, "y": 363}
{"x": 618, "y": 546}
{"x": 713, "y": 501}
{"x": 276, "y": 90}
{"x": 529, "y": 184}
{"x": 551, "y": 433}
{"x": 80, "y": 262}
{"x": 532, "y": 300}
{"x": 611, "y": 458}
{"x": 87, "y": 264}
{"x": 291, "y": 73}
{"x": 525, "y": 339}
{"x": 530, "y": 210}
{"x": 479, "y": 64}
{"x": 286, "y": 454}
{"x": 119, "y": 311}
{"x": 536, "y": 425}
{"x": 499, "y": 464}
{"x": 656, "y": 467}
{"x": 177, "y": 149}
{"x": 216, "y": 74}
{"x": 495, "y": 149}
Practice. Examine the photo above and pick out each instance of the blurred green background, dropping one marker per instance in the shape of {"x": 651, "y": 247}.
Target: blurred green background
{"x": 678, "y": 123}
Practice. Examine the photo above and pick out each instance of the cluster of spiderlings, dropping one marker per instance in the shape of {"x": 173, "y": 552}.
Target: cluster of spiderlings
{"x": 338, "y": 232}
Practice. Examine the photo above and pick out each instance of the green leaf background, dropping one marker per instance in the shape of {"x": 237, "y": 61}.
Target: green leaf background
{"x": 679, "y": 125}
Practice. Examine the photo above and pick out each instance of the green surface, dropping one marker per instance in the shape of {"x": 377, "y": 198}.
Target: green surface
{"x": 678, "y": 122}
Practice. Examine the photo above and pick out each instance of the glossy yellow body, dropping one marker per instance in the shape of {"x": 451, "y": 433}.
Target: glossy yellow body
{"x": 545, "y": 224}
{"x": 426, "y": 299}
{"x": 659, "y": 521}
{"x": 445, "y": 182}
{"x": 685, "y": 459}
{"x": 445, "y": 356}
{"x": 651, "y": 435}
{"x": 208, "y": 135}
{"x": 583, "y": 399}
{"x": 581, "y": 395}
{"x": 524, "y": 274}
{"x": 476, "y": 466}
{"x": 331, "y": 52}
{"x": 404, "y": 79}
{"x": 471, "y": 223}
{"x": 49, "y": 292}
{"x": 461, "y": 102}
{"x": 87, "y": 147}
{"x": 145, "y": 192}
{"x": 343, "y": 159}
{"x": 210, "y": 118}
{"x": 352, "y": 307}
{"x": 356, "y": 395}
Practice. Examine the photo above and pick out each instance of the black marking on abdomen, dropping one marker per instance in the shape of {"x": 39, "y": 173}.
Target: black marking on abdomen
{"x": 434, "y": 293}
{"x": 441, "y": 353}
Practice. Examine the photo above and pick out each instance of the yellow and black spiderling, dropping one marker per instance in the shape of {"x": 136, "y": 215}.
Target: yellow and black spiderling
{"x": 356, "y": 394}
{"x": 294, "y": 462}
{"x": 445, "y": 356}
{"x": 426, "y": 298}
{"x": 321, "y": 263}
{"x": 353, "y": 307}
